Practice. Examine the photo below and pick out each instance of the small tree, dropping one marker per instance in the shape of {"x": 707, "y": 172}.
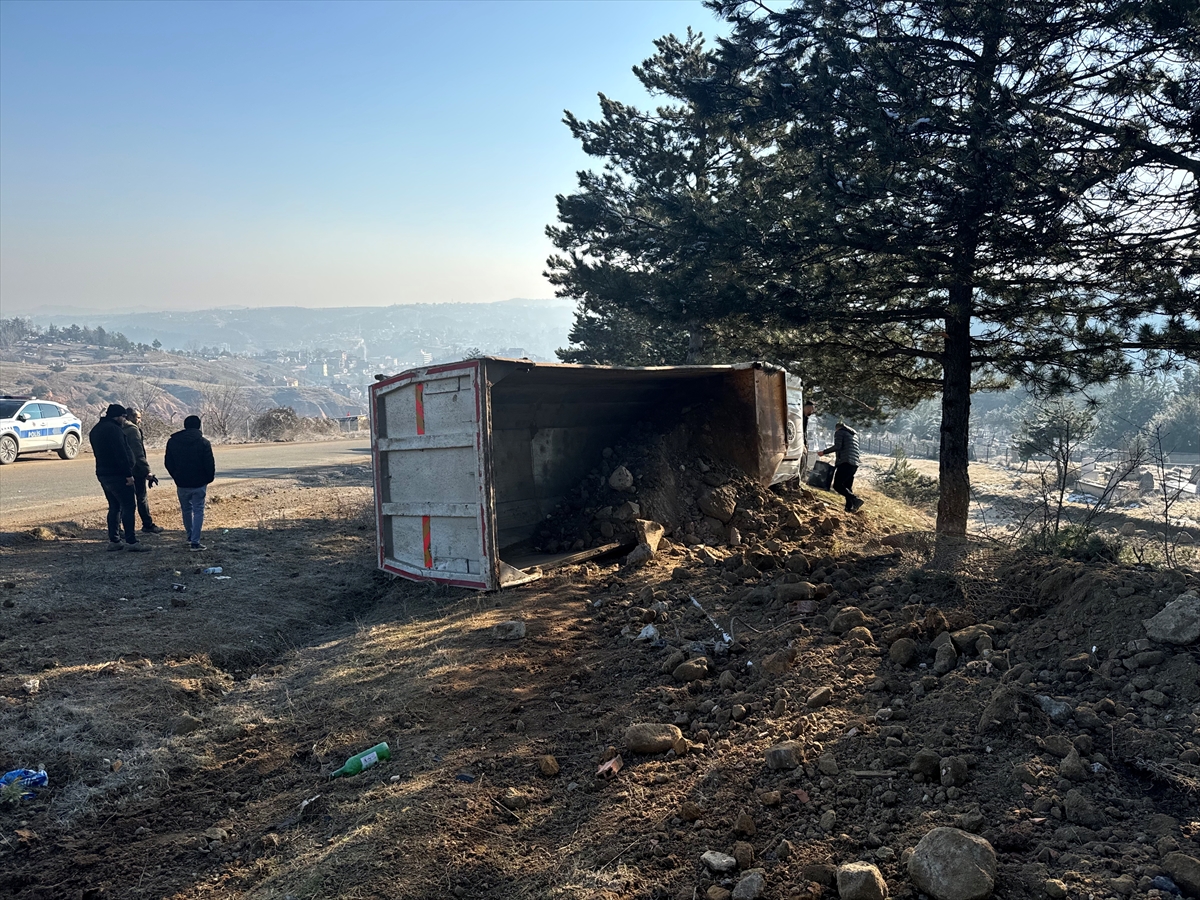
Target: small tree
{"x": 225, "y": 408}
{"x": 1056, "y": 430}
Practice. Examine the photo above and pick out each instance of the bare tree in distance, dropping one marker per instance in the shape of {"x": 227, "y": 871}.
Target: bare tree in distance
{"x": 225, "y": 409}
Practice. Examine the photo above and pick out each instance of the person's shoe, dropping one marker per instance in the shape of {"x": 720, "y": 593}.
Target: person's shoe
{"x": 139, "y": 547}
{"x": 196, "y": 545}
{"x": 858, "y": 504}
{"x": 153, "y": 529}
{"x": 115, "y": 545}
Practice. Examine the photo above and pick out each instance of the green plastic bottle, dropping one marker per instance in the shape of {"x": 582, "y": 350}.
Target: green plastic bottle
{"x": 359, "y": 761}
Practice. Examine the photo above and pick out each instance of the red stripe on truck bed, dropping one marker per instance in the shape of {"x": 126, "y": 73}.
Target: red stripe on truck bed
{"x": 426, "y": 542}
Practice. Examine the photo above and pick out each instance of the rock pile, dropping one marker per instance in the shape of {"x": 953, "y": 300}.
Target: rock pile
{"x": 663, "y": 481}
{"x": 883, "y": 726}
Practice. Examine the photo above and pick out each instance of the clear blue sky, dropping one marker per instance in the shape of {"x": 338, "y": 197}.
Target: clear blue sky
{"x": 192, "y": 155}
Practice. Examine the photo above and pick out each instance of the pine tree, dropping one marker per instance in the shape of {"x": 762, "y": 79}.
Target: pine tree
{"x": 937, "y": 194}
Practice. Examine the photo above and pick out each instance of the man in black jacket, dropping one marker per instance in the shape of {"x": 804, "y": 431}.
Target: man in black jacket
{"x": 845, "y": 448}
{"x": 142, "y": 478}
{"x": 114, "y": 471}
{"x": 190, "y": 462}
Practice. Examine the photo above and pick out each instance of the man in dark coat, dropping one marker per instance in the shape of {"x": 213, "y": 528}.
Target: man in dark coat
{"x": 114, "y": 471}
{"x": 190, "y": 462}
{"x": 846, "y": 460}
{"x": 142, "y": 477}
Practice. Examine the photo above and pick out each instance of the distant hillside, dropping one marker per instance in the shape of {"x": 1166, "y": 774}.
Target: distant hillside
{"x": 228, "y": 392}
{"x": 443, "y": 330}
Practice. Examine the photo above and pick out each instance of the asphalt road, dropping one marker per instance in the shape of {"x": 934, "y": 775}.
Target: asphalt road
{"x": 43, "y": 487}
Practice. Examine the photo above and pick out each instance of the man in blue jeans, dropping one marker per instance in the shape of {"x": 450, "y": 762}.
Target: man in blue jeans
{"x": 114, "y": 471}
{"x": 191, "y": 464}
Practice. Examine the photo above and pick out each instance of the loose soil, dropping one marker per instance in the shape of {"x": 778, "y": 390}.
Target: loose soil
{"x": 188, "y": 734}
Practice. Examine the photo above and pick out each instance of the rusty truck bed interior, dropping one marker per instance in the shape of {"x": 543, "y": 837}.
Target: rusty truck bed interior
{"x": 549, "y": 425}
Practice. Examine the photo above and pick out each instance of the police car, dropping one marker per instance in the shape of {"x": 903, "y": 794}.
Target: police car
{"x": 28, "y": 425}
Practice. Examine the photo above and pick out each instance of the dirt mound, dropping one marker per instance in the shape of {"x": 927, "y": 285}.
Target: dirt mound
{"x": 826, "y": 692}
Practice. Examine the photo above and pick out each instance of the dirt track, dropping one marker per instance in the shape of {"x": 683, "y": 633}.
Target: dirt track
{"x": 41, "y": 487}
{"x": 184, "y": 731}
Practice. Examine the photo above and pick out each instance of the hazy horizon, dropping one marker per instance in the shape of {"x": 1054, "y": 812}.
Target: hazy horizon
{"x": 158, "y": 157}
{"x": 66, "y": 310}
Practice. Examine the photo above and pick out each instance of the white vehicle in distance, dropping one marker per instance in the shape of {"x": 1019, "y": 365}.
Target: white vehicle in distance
{"x": 29, "y": 425}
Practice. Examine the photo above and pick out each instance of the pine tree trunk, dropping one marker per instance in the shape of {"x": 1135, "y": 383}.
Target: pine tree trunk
{"x": 695, "y": 344}
{"x": 954, "y": 500}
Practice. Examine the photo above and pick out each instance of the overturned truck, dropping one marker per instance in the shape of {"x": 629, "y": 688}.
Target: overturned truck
{"x": 471, "y": 457}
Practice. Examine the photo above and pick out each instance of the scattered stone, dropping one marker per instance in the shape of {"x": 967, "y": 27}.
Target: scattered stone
{"x": 823, "y": 873}
{"x": 509, "y": 631}
{"x": 860, "y": 881}
{"x": 950, "y": 864}
{"x": 850, "y": 617}
{"x": 1003, "y": 708}
{"x": 720, "y": 503}
{"x": 727, "y": 681}
{"x": 621, "y": 479}
{"x": 743, "y": 852}
{"x": 1059, "y": 745}
{"x": 1058, "y": 710}
{"x": 965, "y": 638}
{"x": 826, "y": 764}
{"x": 1073, "y": 767}
{"x": 716, "y": 892}
{"x": 548, "y": 765}
{"x": 1178, "y": 622}
{"x": 716, "y": 861}
{"x": 514, "y": 799}
{"x": 785, "y": 850}
{"x": 1155, "y": 698}
{"x": 1079, "y": 810}
{"x": 649, "y": 533}
{"x": 903, "y": 651}
{"x": 745, "y": 826}
{"x": 946, "y": 658}
{"x": 792, "y": 593}
{"x": 828, "y": 820}
{"x": 691, "y": 670}
{"x": 1124, "y": 885}
{"x": 672, "y": 662}
{"x": 1055, "y": 889}
{"x": 770, "y": 798}
{"x": 861, "y": 634}
{"x": 690, "y": 811}
{"x": 972, "y": 820}
{"x": 1184, "y": 871}
{"x": 953, "y": 771}
{"x": 820, "y": 697}
{"x": 926, "y": 762}
{"x": 1087, "y": 718}
{"x": 751, "y": 886}
{"x": 639, "y": 556}
{"x": 649, "y": 738}
{"x": 788, "y": 755}
{"x": 779, "y": 662}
